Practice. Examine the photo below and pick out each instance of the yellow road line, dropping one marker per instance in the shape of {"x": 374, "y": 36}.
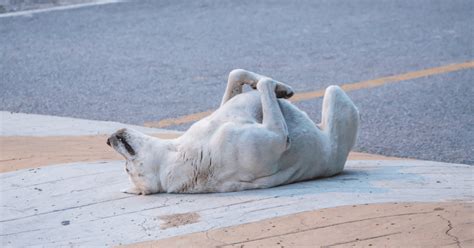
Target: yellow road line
{"x": 319, "y": 93}
{"x": 178, "y": 121}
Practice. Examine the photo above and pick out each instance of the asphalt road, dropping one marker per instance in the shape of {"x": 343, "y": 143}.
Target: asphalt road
{"x": 143, "y": 61}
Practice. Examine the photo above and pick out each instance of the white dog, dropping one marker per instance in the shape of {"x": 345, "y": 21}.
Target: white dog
{"x": 253, "y": 140}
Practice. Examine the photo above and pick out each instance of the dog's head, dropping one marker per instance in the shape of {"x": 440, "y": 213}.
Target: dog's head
{"x": 128, "y": 143}
{"x": 142, "y": 153}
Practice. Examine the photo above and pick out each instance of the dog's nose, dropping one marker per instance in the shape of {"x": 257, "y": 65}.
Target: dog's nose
{"x": 108, "y": 142}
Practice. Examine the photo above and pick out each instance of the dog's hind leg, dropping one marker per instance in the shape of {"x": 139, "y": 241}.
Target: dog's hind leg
{"x": 273, "y": 119}
{"x": 340, "y": 121}
{"x": 237, "y": 78}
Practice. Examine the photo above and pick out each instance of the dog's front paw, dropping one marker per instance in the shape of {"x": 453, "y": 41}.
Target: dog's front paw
{"x": 283, "y": 91}
{"x": 132, "y": 190}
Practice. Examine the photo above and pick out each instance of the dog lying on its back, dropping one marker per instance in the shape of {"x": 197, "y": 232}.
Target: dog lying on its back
{"x": 253, "y": 140}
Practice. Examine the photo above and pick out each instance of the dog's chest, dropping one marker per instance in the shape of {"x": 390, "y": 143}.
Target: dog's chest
{"x": 196, "y": 162}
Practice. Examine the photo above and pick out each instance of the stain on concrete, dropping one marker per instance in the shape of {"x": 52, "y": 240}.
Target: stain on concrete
{"x": 175, "y": 220}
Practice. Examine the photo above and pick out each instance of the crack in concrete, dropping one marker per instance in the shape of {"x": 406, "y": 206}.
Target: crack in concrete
{"x": 267, "y": 208}
{"x": 127, "y": 213}
{"x": 208, "y": 237}
{"x": 15, "y": 233}
{"x": 13, "y": 159}
{"x": 450, "y": 227}
{"x": 142, "y": 225}
{"x": 53, "y": 181}
{"x": 63, "y": 209}
{"x": 364, "y": 239}
{"x": 236, "y": 203}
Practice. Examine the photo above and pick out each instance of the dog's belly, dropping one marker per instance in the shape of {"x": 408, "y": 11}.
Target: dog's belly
{"x": 245, "y": 109}
{"x": 210, "y": 136}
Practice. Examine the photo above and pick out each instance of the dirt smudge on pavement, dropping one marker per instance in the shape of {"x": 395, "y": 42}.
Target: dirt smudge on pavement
{"x": 175, "y": 220}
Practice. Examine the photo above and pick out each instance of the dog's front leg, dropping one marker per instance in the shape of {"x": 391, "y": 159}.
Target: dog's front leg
{"x": 273, "y": 119}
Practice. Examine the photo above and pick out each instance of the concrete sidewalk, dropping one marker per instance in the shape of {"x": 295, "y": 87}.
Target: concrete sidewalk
{"x": 367, "y": 225}
{"x": 19, "y": 124}
{"x": 80, "y": 204}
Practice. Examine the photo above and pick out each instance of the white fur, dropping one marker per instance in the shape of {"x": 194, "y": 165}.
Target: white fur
{"x": 253, "y": 140}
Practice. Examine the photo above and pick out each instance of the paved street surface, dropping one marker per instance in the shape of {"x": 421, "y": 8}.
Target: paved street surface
{"x": 28, "y": 5}
{"x": 145, "y": 61}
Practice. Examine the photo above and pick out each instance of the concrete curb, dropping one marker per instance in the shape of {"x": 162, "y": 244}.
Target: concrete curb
{"x": 19, "y": 124}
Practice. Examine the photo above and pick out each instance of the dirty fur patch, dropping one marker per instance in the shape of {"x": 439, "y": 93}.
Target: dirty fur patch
{"x": 175, "y": 220}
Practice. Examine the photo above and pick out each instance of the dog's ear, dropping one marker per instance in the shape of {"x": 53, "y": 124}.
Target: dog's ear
{"x": 123, "y": 139}
{"x": 123, "y": 142}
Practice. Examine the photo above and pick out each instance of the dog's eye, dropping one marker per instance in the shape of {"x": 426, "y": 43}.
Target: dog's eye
{"x": 127, "y": 146}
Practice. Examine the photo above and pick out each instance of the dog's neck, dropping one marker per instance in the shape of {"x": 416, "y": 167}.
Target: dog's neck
{"x": 157, "y": 158}
{"x": 182, "y": 166}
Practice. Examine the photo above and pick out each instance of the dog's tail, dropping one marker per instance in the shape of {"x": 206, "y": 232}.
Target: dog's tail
{"x": 340, "y": 121}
